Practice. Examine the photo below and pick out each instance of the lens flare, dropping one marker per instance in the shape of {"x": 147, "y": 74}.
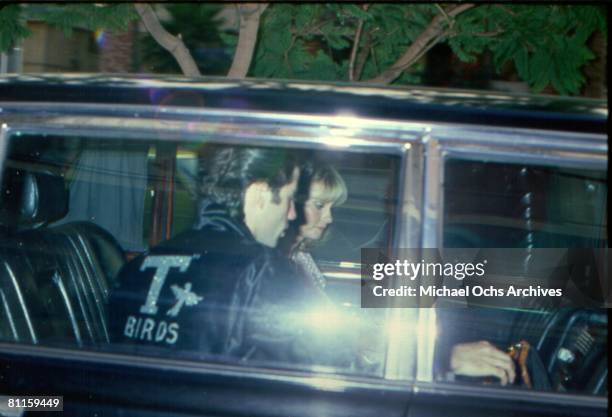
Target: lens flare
{"x": 100, "y": 37}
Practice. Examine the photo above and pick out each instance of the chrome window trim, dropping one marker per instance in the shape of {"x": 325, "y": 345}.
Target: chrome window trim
{"x": 186, "y": 131}
{"x": 4, "y": 134}
{"x": 432, "y": 198}
{"x": 431, "y": 237}
{"x": 552, "y": 157}
{"x": 486, "y": 135}
{"x": 401, "y": 358}
{"x": 394, "y": 129}
{"x": 52, "y": 110}
{"x": 535, "y": 147}
{"x": 558, "y": 399}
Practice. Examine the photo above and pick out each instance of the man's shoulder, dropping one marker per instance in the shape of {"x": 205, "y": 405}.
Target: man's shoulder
{"x": 195, "y": 239}
{"x": 208, "y": 241}
{"x": 216, "y": 253}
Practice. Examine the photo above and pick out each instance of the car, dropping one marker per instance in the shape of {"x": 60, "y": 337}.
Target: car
{"x": 98, "y": 169}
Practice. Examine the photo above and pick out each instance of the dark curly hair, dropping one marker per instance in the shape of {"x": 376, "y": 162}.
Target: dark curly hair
{"x": 225, "y": 172}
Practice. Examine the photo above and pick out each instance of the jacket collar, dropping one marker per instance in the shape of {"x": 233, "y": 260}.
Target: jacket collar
{"x": 217, "y": 217}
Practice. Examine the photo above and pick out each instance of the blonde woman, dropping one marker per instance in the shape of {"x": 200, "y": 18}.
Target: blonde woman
{"x": 324, "y": 190}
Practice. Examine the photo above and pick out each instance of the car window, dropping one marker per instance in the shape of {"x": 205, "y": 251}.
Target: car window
{"x": 106, "y": 180}
{"x": 538, "y": 211}
{"x": 81, "y": 272}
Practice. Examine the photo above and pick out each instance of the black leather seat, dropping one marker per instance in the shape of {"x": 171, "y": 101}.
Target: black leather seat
{"x": 54, "y": 281}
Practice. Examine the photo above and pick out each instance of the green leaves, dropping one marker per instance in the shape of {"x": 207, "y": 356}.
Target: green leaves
{"x": 547, "y": 44}
{"x": 357, "y": 12}
{"x": 306, "y": 15}
{"x": 278, "y": 17}
{"x": 12, "y": 28}
{"x": 466, "y": 39}
{"x": 321, "y": 67}
{"x": 290, "y": 38}
{"x": 540, "y": 69}
{"x": 229, "y": 39}
{"x": 275, "y": 43}
{"x": 521, "y": 62}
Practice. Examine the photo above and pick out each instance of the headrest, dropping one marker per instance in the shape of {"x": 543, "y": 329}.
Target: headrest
{"x": 30, "y": 198}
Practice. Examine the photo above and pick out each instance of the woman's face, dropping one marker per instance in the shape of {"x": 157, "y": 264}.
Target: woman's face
{"x": 317, "y": 212}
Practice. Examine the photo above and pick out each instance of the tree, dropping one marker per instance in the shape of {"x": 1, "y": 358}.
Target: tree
{"x": 383, "y": 43}
{"x": 200, "y": 30}
{"x": 173, "y": 44}
{"x": 377, "y": 43}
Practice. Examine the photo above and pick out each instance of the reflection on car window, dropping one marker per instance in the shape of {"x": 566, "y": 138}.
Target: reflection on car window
{"x": 197, "y": 251}
{"x": 503, "y": 205}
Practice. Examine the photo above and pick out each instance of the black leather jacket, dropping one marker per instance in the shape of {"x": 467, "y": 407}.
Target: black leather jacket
{"x": 215, "y": 291}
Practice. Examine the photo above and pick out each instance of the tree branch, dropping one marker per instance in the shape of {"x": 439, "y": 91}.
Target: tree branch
{"x": 424, "y": 42}
{"x": 374, "y": 58}
{"x": 429, "y": 46}
{"x": 250, "y": 14}
{"x": 446, "y": 17}
{"x": 351, "y": 68}
{"x": 363, "y": 56}
{"x": 286, "y": 53}
{"x": 173, "y": 44}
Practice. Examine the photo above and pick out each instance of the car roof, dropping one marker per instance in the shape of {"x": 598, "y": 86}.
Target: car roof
{"x": 405, "y": 103}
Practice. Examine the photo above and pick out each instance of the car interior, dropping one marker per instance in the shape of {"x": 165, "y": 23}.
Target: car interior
{"x": 512, "y": 205}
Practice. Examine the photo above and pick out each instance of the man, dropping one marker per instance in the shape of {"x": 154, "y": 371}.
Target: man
{"x": 192, "y": 293}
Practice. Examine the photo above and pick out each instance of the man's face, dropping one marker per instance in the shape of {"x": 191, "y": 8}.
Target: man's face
{"x": 267, "y": 217}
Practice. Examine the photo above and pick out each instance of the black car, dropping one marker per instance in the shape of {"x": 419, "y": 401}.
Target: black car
{"x": 96, "y": 170}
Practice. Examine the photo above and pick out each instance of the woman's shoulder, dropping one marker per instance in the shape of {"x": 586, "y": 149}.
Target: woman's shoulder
{"x": 309, "y": 268}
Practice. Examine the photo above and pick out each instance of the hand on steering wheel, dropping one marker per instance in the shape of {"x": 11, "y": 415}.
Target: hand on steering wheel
{"x": 480, "y": 359}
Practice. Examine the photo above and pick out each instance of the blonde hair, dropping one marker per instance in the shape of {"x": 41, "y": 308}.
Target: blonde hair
{"x": 333, "y": 183}
{"x": 334, "y": 191}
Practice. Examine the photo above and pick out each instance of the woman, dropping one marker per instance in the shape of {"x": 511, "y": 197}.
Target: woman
{"x": 321, "y": 189}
